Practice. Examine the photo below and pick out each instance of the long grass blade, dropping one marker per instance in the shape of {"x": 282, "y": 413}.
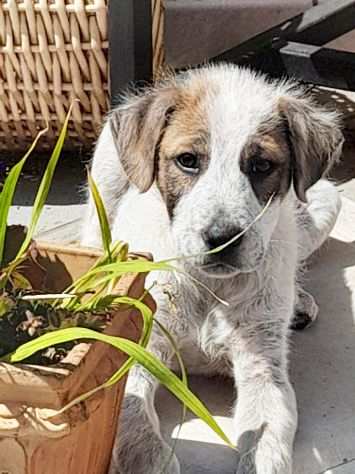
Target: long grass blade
{"x": 143, "y": 266}
{"x": 88, "y": 282}
{"x": 48, "y": 297}
{"x": 45, "y": 184}
{"x": 147, "y": 316}
{"x": 8, "y": 191}
{"x": 140, "y": 354}
{"x": 135, "y": 266}
{"x": 102, "y": 216}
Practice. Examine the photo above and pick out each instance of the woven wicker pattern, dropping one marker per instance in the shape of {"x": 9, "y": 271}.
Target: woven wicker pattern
{"x": 158, "y": 35}
{"x": 52, "y": 51}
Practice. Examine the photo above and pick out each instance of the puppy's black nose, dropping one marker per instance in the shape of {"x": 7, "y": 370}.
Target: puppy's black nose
{"x": 215, "y": 237}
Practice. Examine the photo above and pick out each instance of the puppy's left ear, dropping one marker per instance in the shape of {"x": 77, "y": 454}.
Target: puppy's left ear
{"x": 315, "y": 137}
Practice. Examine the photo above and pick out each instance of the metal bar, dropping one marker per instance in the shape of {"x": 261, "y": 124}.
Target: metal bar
{"x": 314, "y": 64}
{"x": 130, "y": 43}
{"x": 328, "y": 20}
{"x": 323, "y": 66}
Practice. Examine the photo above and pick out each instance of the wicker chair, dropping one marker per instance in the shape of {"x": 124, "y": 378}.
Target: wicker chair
{"x": 52, "y": 51}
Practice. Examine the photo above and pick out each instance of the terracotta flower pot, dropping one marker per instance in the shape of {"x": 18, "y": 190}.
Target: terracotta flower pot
{"x": 34, "y": 437}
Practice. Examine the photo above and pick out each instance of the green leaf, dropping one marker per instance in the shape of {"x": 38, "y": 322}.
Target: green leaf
{"x": 6, "y": 304}
{"x": 134, "y": 266}
{"x": 19, "y": 281}
{"x": 43, "y": 189}
{"x": 89, "y": 283}
{"x": 140, "y": 355}
{"x": 97, "y": 279}
{"x": 143, "y": 266}
{"x": 8, "y": 191}
{"x": 102, "y": 216}
{"x": 147, "y": 315}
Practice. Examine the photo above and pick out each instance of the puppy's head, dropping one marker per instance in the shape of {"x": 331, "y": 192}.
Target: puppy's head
{"x": 220, "y": 142}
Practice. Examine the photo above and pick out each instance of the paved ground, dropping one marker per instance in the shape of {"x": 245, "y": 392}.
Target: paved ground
{"x": 63, "y": 211}
{"x": 322, "y": 358}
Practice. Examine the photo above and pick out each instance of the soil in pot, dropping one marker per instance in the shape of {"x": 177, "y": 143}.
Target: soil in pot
{"x": 24, "y": 320}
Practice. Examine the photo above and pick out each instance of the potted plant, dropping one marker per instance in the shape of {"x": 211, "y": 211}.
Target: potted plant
{"x": 30, "y": 440}
{"x": 77, "y": 320}
{"x": 36, "y": 435}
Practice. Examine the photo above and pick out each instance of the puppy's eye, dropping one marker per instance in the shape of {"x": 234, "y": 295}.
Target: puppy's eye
{"x": 260, "y": 166}
{"x": 188, "y": 162}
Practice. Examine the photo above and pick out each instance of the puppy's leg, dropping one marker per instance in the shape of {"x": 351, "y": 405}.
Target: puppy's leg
{"x": 265, "y": 417}
{"x": 111, "y": 181}
{"x": 306, "y": 310}
{"x": 139, "y": 447}
{"x": 316, "y": 219}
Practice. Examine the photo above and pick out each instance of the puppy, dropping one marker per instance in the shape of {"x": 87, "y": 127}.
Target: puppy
{"x": 183, "y": 167}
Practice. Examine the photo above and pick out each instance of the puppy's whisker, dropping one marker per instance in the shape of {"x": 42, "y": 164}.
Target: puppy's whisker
{"x": 177, "y": 272}
{"x": 205, "y": 287}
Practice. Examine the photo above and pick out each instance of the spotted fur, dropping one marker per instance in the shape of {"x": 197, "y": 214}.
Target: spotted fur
{"x": 228, "y": 117}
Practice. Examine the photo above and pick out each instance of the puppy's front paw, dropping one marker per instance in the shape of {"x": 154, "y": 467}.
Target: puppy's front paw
{"x": 261, "y": 451}
{"x": 262, "y": 454}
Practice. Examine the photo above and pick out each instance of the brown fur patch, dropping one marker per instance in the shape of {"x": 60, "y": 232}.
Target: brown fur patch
{"x": 186, "y": 132}
{"x": 136, "y": 128}
{"x": 273, "y": 147}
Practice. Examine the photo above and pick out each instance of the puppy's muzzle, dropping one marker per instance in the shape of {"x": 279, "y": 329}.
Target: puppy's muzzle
{"x": 214, "y": 237}
{"x": 224, "y": 261}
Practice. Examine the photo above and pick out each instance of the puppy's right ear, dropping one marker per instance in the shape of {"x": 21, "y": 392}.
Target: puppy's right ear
{"x": 137, "y": 127}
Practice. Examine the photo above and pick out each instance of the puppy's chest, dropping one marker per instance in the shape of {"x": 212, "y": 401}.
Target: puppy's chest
{"x": 205, "y": 348}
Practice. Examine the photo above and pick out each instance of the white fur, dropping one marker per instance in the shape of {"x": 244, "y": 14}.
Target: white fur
{"x": 248, "y": 339}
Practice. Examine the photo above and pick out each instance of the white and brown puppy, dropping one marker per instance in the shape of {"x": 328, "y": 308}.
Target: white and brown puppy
{"x": 182, "y": 168}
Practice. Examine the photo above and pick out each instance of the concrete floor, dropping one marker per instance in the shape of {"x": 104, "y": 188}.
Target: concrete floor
{"x": 322, "y": 357}
{"x": 60, "y": 220}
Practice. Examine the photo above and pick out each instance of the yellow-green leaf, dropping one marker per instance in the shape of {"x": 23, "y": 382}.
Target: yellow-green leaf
{"x": 102, "y": 216}
{"x": 44, "y": 186}
{"x": 8, "y": 191}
